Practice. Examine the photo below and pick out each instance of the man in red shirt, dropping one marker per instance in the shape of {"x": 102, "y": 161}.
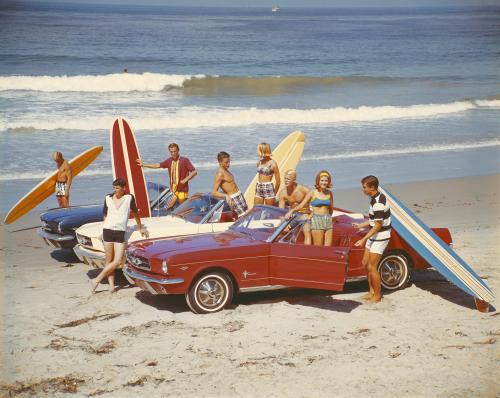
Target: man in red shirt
{"x": 180, "y": 170}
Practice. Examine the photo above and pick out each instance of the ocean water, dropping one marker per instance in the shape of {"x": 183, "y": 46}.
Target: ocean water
{"x": 407, "y": 94}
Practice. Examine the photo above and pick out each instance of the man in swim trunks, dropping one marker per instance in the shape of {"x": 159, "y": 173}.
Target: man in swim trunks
{"x": 64, "y": 179}
{"x": 180, "y": 170}
{"x": 224, "y": 180}
{"x": 377, "y": 238}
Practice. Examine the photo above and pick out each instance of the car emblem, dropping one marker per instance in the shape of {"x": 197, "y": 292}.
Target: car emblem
{"x": 246, "y": 273}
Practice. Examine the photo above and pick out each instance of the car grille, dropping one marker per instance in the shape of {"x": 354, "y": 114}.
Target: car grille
{"x": 138, "y": 261}
{"x": 84, "y": 240}
{"x": 50, "y": 226}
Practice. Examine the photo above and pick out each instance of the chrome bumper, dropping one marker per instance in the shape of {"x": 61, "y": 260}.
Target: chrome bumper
{"x": 90, "y": 257}
{"x": 54, "y": 240}
{"x": 146, "y": 280}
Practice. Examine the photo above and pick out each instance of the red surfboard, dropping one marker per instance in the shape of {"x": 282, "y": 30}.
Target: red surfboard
{"x": 124, "y": 153}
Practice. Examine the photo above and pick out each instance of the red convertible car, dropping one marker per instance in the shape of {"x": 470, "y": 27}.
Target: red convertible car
{"x": 262, "y": 250}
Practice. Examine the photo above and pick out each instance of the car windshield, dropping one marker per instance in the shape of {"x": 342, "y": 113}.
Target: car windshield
{"x": 260, "y": 223}
{"x": 195, "y": 208}
{"x": 154, "y": 190}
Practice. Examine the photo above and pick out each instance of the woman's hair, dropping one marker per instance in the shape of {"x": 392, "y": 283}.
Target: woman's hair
{"x": 370, "y": 181}
{"x": 119, "y": 182}
{"x": 323, "y": 173}
{"x": 264, "y": 149}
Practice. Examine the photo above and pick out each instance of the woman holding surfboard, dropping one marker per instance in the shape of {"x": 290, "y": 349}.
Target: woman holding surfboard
{"x": 117, "y": 207}
{"x": 267, "y": 168}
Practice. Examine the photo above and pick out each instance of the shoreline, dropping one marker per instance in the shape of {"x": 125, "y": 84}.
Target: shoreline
{"x": 57, "y": 337}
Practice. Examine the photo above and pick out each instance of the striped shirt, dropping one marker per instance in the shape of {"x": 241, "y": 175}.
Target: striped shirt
{"x": 380, "y": 211}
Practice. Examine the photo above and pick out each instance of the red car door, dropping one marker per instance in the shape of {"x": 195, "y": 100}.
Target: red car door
{"x": 308, "y": 266}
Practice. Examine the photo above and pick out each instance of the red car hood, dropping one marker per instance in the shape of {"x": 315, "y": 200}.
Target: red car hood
{"x": 162, "y": 248}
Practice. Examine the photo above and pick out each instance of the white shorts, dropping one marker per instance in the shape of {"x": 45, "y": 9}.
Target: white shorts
{"x": 377, "y": 246}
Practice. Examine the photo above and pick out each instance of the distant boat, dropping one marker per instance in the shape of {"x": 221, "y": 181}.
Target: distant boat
{"x": 275, "y": 8}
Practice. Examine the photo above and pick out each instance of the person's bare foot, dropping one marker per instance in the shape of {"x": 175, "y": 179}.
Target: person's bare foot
{"x": 112, "y": 289}
{"x": 368, "y": 296}
{"x": 376, "y": 299}
{"x": 93, "y": 285}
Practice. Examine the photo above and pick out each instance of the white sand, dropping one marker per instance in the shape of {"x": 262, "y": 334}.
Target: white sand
{"x": 426, "y": 340}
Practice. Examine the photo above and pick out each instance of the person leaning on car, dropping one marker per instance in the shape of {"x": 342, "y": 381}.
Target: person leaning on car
{"x": 180, "y": 169}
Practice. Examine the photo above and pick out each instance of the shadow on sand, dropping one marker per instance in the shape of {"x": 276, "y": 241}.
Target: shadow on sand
{"x": 433, "y": 282}
{"x": 67, "y": 256}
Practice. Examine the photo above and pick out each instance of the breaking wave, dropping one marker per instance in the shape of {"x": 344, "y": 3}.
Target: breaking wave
{"x": 251, "y": 162}
{"x": 197, "y": 117}
{"x": 188, "y": 84}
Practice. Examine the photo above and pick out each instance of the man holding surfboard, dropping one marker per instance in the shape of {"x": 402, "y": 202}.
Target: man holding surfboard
{"x": 225, "y": 181}
{"x": 64, "y": 179}
{"x": 377, "y": 238}
{"x": 180, "y": 170}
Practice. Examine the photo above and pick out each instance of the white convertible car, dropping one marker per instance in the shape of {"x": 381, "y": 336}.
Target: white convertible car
{"x": 200, "y": 213}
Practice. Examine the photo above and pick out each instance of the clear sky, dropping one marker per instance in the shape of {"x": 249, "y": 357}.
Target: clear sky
{"x": 288, "y": 3}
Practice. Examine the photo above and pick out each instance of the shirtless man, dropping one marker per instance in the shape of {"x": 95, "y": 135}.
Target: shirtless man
{"x": 224, "y": 180}
{"x": 293, "y": 193}
{"x": 64, "y": 179}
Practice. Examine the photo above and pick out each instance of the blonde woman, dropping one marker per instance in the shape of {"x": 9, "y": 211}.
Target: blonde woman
{"x": 267, "y": 168}
{"x": 320, "y": 200}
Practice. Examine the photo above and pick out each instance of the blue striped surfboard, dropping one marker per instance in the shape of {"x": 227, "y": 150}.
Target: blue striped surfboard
{"x": 436, "y": 252}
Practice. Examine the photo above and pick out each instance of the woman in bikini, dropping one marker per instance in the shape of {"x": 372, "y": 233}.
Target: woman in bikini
{"x": 320, "y": 200}
{"x": 267, "y": 168}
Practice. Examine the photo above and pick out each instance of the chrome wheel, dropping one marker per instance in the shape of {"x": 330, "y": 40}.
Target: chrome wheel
{"x": 210, "y": 293}
{"x": 394, "y": 271}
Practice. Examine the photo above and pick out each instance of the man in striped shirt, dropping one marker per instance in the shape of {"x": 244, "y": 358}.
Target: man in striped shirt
{"x": 377, "y": 238}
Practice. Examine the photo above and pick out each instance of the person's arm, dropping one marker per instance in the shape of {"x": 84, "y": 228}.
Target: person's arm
{"x": 306, "y": 200}
{"x": 135, "y": 212}
{"x": 219, "y": 178}
{"x": 373, "y": 230}
{"x": 69, "y": 179}
{"x": 360, "y": 225}
{"x": 192, "y": 172}
{"x": 149, "y": 166}
{"x": 277, "y": 176}
{"x": 331, "y": 203}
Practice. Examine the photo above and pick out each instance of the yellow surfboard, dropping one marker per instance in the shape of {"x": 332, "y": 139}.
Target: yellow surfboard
{"x": 287, "y": 154}
{"x": 47, "y": 187}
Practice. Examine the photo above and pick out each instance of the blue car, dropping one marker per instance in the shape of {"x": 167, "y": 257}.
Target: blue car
{"x": 58, "y": 225}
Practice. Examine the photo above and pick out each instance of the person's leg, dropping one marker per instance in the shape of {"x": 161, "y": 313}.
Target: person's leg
{"x": 364, "y": 262}
{"x": 119, "y": 249}
{"x": 258, "y": 200}
{"x": 64, "y": 201}
{"x": 270, "y": 201}
{"x": 307, "y": 233}
{"x": 318, "y": 236}
{"x": 109, "y": 253}
{"x": 60, "y": 201}
{"x": 328, "y": 237}
{"x": 373, "y": 261}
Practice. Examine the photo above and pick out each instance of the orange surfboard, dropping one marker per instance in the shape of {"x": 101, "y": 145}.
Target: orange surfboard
{"x": 124, "y": 153}
{"x": 47, "y": 187}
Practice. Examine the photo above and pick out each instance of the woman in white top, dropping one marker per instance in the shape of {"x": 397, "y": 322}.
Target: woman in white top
{"x": 117, "y": 207}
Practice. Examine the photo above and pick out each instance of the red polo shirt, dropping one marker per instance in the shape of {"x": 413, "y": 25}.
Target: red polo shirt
{"x": 184, "y": 167}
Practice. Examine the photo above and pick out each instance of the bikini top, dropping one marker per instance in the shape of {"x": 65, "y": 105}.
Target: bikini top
{"x": 318, "y": 202}
{"x": 265, "y": 170}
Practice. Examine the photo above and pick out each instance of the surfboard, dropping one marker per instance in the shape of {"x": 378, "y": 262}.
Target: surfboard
{"x": 287, "y": 154}
{"x": 436, "y": 252}
{"x": 47, "y": 187}
{"x": 124, "y": 153}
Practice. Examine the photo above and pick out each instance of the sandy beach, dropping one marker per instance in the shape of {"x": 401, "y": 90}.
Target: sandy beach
{"x": 425, "y": 340}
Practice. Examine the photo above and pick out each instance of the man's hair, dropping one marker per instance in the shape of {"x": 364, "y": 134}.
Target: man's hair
{"x": 57, "y": 155}
{"x": 222, "y": 155}
{"x": 173, "y": 145}
{"x": 370, "y": 181}
{"x": 119, "y": 182}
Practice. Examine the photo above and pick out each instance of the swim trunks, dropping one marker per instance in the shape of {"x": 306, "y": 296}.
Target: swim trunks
{"x": 60, "y": 188}
{"x": 264, "y": 190}
{"x": 239, "y": 206}
{"x": 113, "y": 236}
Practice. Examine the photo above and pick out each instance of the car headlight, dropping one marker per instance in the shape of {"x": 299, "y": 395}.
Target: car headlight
{"x": 164, "y": 267}
{"x": 138, "y": 261}
{"x": 84, "y": 240}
